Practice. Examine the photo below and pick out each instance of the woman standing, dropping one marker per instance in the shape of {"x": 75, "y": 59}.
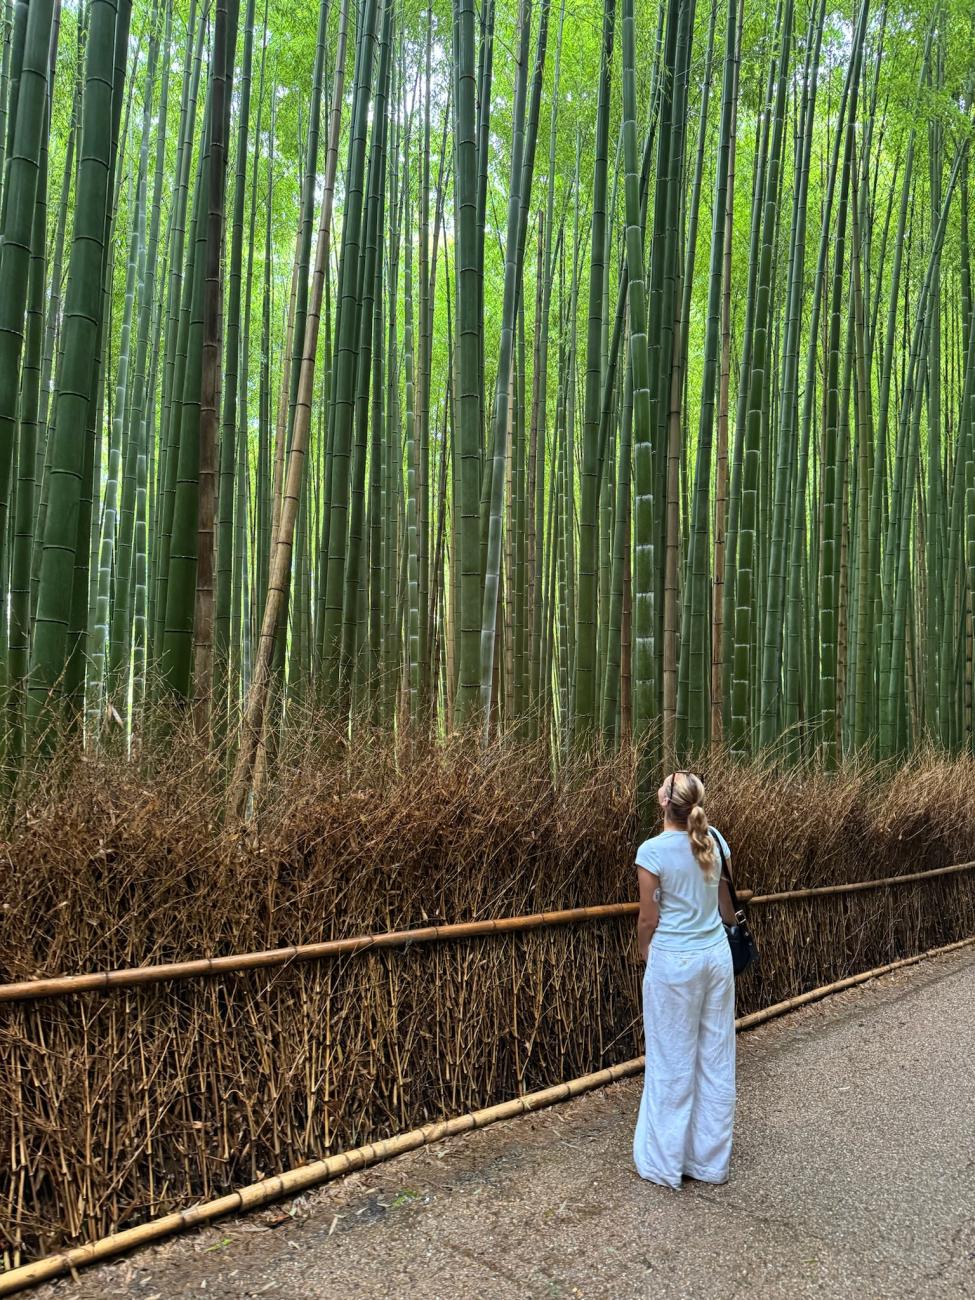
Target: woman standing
{"x": 688, "y": 1106}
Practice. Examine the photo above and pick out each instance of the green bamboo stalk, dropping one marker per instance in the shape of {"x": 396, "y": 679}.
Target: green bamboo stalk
{"x": 226, "y": 23}
{"x": 28, "y": 126}
{"x": 233, "y": 438}
{"x": 746, "y": 595}
{"x": 84, "y": 301}
{"x": 120, "y": 640}
{"x": 183, "y": 461}
{"x": 23, "y": 529}
{"x": 177, "y": 326}
{"x": 585, "y": 593}
{"x": 698, "y": 604}
{"x": 110, "y": 508}
{"x": 336, "y": 671}
{"x": 525, "y": 120}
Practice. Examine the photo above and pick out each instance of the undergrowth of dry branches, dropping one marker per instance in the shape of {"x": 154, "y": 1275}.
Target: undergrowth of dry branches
{"x": 116, "y": 1107}
{"x": 108, "y": 862}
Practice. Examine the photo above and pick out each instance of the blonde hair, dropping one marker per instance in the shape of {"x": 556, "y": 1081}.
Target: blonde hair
{"x": 685, "y": 799}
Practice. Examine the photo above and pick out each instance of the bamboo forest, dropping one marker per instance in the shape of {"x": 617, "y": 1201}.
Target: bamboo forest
{"x": 437, "y": 440}
{"x": 590, "y": 375}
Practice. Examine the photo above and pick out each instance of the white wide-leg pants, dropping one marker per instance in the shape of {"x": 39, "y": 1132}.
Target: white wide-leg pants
{"x": 688, "y": 1106}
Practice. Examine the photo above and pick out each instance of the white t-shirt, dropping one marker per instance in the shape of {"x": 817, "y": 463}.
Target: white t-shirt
{"x": 689, "y": 917}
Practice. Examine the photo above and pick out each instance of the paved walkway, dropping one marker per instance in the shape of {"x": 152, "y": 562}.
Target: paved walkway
{"x": 853, "y": 1176}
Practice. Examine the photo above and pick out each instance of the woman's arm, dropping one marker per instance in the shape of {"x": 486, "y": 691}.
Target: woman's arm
{"x": 725, "y": 905}
{"x": 649, "y": 917}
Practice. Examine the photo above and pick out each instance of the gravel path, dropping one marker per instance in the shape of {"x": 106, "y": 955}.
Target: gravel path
{"x": 853, "y": 1175}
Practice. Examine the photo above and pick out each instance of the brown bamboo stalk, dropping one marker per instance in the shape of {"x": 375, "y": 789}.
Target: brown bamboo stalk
{"x": 293, "y": 1181}
{"x": 283, "y": 535}
{"x": 281, "y": 419}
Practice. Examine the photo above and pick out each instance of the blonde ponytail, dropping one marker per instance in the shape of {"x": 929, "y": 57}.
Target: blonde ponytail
{"x": 685, "y": 798}
{"x": 702, "y": 843}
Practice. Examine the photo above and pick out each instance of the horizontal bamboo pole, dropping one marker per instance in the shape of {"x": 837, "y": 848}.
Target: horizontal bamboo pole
{"x": 293, "y": 1181}
{"x": 103, "y": 981}
{"x": 820, "y": 891}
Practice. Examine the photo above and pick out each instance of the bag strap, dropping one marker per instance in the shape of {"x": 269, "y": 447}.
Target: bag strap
{"x": 725, "y": 870}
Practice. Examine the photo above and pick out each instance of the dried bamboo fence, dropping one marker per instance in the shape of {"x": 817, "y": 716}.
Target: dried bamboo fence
{"x": 173, "y": 1088}
{"x": 304, "y": 1177}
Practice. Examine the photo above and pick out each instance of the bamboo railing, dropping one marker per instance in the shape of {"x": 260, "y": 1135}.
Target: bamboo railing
{"x": 820, "y": 891}
{"x": 130, "y": 977}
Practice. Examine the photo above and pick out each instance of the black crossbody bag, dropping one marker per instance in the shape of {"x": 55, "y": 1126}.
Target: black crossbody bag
{"x": 744, "y": 950}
